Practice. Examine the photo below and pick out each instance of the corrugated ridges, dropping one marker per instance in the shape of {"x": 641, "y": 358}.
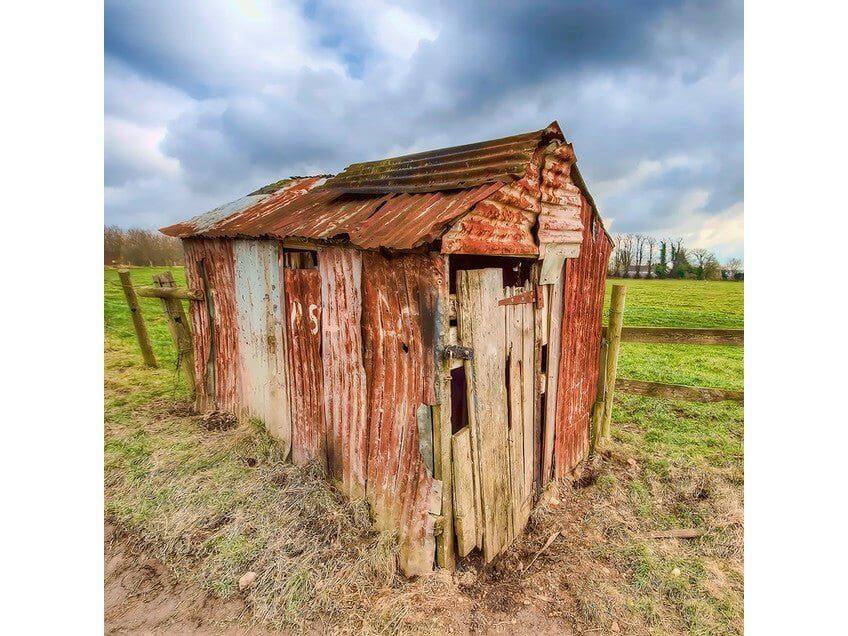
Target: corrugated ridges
{"x": 458, "y": 167}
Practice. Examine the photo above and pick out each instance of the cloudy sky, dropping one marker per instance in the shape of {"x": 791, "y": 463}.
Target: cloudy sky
{"x": 207, "y": 100}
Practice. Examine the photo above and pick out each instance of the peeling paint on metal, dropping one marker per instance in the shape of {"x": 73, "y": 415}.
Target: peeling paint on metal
{"x": 305, "y": 372}
{"x": 215, "y": 222}
{"x": 344, "y": 374}
{"x": 585, "y": 278}
{"x": 399, "y": 296}
{"x": 260, "y": 318}
{"x": 216, "y": 334}
{"x": 492, "y": 228}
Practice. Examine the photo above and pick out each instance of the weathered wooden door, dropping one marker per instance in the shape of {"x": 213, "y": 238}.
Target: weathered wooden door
{"x": 494, "y": 495}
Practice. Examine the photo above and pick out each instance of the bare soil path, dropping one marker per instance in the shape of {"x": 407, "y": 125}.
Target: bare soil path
{"x": 143, "y": 596}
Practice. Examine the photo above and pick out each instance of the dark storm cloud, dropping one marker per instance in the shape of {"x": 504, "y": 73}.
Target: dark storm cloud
{"x": 649, "y": 92}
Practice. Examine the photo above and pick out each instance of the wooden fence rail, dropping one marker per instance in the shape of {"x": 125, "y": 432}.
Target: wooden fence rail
{"x": 616, "y": 333}
{"x": 675, "y": 335}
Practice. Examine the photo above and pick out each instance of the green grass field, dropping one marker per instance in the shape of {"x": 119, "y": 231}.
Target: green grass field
{"x": 672, "y": 465}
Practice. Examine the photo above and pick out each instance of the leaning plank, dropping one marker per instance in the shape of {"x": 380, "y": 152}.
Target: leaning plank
{"x": 465, "y": 519}
{"x": 667, "y": 335}
{"x": 424, "y": 418}
{"x": 481, "y": 327}
{"x": 677, "y": 391}
{"x": 180, "y": 331}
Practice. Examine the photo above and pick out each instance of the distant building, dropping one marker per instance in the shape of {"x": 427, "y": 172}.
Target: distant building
{"x": 638, "y": 271}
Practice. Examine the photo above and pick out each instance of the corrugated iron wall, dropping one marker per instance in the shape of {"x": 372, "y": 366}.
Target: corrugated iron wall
{"x": 344, "y": 373}
{"x": 585, "y": 278}
{"x": 305, "y": 369}
{"x": 294, "y": 356}
{"x": 210, "y": 267}
{"x": 400, "y": 299}
{"x": 262, "y": 363}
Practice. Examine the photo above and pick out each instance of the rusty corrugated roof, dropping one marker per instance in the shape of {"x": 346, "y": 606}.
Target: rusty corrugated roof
{"x": 397, "y": 203}
{"x": 447, "y": 168}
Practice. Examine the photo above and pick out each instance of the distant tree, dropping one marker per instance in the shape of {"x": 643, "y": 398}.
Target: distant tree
{"x": 680, "y": 266}
{"x": 622, "y": 256}
{"x": 733, "y": 267}
{"x": 113, "y": 244}
{"x": 711, "y": 269}
{"x": 139, "y": 247}
{"x": 639, "y": 244}
{"x": 700, "y": 255}
{"x": 651, "y": 241}
{"x": 661, "y": 269}
{"x": 628, "y": 252}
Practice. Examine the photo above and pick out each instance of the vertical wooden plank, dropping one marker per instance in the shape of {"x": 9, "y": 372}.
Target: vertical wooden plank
{"x": 303, "y": 315}
{"x": 514, "y": 351}
{"x": 539, "y": 314}
{"x": 465, "y": 517}
{"x": 180, "y": 331}
{"x": 481, "y": 327}
{"x": 442, "y": 427}
{"x": 551, "y": 376}
{"x": 527, "y": 366}
{"x": 424, "y": 420}
{"x": 138, "y": 319}
{"x": 344, "y": 372}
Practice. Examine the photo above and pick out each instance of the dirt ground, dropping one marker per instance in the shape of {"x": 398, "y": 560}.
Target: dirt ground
{"x": 142, "y": 595}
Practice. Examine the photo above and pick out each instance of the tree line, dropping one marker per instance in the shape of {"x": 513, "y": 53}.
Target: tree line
{"x": 644, "y": 256}
{"x": 139, "y": 247}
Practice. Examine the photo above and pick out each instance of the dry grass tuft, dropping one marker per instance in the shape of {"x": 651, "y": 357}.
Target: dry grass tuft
{"x": 215, "y": 505}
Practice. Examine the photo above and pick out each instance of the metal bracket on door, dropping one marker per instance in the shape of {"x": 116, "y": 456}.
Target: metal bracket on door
{"x": 457, "y": 352}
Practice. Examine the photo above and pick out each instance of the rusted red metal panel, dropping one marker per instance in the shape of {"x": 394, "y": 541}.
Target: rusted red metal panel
{"x": 305, "y": 372}
{"x": 400, "y": 299}
{"x": 561, "y": 201}
{"x": 210, "y": 266}
{"x": 225, "y": 220}
{"x": 447, "y": 168}
{"x": 585, "y": 278}
{"x": 344, "y": 373}
{"x": 492, "y": 228}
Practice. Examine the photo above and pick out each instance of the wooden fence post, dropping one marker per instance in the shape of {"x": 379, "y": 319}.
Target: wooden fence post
{"x": 180, "y": 331}
{"x": 138, "y": 319}
{"x": 616, "y": 318}
{"x": 598, "y": 407}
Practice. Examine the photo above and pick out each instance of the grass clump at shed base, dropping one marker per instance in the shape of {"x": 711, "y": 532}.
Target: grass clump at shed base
{"x": 214, "y": 504}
